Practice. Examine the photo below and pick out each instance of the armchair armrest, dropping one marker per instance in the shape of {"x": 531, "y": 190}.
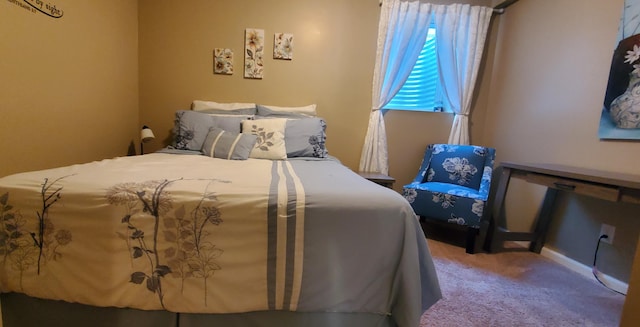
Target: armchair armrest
{"x": 426, "y": 160}
{"x": 485, "y": 183}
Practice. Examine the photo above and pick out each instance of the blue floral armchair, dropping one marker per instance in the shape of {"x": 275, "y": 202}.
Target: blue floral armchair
{"x": 453, "y": 186}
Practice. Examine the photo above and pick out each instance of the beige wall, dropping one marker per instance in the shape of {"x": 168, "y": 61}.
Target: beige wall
{"x": 68, "y": 86}
{"x": 334, "y": 53}
{"x": 334, "y": 49}
{"x": 551, "y": 67}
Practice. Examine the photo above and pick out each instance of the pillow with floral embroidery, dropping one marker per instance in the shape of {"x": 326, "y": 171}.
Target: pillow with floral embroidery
{"x": 270, "y": 142}
{"x": 305, "y": 137}
{"x": 191, "y": 127}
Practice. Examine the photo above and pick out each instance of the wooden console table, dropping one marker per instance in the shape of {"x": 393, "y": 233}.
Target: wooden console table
{"x": 611, "y": 186}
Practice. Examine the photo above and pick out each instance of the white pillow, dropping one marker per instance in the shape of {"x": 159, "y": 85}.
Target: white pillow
{"x": 309, "y": 110}
{"x": 270, "y": 143}
{"x": 199, "y": 105}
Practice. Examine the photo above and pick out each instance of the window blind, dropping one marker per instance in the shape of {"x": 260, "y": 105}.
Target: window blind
{"x": 420, "y": 90}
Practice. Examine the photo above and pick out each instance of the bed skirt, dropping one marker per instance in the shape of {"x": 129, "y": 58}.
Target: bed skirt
{"x": 19, "y": 310}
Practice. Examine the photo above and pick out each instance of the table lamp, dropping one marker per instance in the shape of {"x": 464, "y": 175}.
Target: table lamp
{"x": 146, "y": 135}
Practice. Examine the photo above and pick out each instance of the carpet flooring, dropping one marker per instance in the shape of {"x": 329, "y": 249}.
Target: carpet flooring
{"x": 515, "y": 289}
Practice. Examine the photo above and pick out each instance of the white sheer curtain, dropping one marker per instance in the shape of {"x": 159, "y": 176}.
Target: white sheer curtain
{"x": 402, "y": 31}
{"x": 461, "y": 33}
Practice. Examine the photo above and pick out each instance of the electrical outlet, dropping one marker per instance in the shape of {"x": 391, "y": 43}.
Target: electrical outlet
{"x": 608, "y": 230}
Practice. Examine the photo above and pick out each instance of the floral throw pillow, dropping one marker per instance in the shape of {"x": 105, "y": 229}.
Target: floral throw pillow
{"x": 190, "y": 129}
{"x": 306, "y": 138}
{"x": 270, "y": 138}
{"x": 462, "y": 165}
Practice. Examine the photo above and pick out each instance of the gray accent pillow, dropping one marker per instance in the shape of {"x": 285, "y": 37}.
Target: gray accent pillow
{"x": 191, "y": 127}
{"x": 305, "y": 137}
{"x": 228, "y": 145}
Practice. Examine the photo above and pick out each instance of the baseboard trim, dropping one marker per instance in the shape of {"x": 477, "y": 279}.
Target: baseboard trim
{"x": 580, "y": 268}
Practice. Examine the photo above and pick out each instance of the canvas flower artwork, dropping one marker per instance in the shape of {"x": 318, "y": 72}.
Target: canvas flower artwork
{"x": 223, "y": 61}
{"x": 253, "y": 53}
{"x": 283, "y": 46}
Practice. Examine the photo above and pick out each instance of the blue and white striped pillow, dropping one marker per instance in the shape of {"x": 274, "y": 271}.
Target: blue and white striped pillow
{"x": 228, "y": 145}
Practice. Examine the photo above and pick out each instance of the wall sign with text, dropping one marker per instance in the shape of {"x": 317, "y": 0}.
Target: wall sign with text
{"x": 40, "y": 6}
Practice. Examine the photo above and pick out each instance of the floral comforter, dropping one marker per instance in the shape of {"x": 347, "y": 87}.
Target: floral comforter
{"x": 196, "y": 234}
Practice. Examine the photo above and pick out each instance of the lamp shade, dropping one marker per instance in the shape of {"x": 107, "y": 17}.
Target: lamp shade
{"x": 146, "y": 134}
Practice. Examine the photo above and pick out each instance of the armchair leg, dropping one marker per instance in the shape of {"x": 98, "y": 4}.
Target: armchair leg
{"x": 471, "y": 240}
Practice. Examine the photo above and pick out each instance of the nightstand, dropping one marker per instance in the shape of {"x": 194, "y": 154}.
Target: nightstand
{"x": 381, "y": 179}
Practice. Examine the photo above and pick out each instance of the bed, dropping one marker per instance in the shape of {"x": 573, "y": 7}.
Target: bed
{"x": 185, "y": 238}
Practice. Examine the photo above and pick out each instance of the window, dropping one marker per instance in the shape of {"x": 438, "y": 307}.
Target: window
{"x": 421, "y": 91}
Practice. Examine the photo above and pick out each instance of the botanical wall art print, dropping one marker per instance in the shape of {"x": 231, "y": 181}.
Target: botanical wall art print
{"x": 620, "y": 118}
{"x": 283, "y": 46}
{"x": 223, "y": 61}
{"x": 253, "y": 53}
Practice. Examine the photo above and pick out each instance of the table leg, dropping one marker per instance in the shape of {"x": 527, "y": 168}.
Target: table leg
{"x": 543, "y": 221}
{"x": 494, "y": 238}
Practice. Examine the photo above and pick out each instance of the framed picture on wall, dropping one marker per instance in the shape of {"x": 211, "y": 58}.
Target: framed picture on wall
{"x": 620, "y": 117}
